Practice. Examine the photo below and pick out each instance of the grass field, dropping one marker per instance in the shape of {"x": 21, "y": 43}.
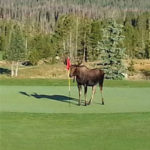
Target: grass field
{"x": 35, "y": 116}
{"x": 26, "y": 131}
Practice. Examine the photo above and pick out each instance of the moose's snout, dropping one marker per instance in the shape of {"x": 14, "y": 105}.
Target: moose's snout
{"x": 70, "y": 75}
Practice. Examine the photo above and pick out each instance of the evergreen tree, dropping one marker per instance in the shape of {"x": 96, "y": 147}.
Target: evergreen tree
{"x": 147, "y": 50}
{"x": 63, "y": 38}
{"x": 84, "y": 39}
{"x": 95, "y": 36}
{"x": 1, "y": 43}
{"x": 16, "y": 50}
{"x": 39, "y": 48}
{"x": 111, "y": 52}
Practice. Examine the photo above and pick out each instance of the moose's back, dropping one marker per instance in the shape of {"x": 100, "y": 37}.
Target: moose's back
{"x": 89, "y": 77}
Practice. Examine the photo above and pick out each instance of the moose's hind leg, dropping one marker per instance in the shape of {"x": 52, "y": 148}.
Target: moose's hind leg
{"x": 79, "y": 89}
{"x": 102, "y": 95}
{"x": 101, "y": 89}
{"x": 85, "y": 93}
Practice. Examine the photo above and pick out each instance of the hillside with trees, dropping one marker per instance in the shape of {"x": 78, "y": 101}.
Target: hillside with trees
{"x": 59, "y": 28}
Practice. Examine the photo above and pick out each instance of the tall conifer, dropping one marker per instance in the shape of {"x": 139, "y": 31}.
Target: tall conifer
{"x": 111, "y": 51}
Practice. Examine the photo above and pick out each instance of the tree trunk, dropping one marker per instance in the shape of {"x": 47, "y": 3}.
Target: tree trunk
{"x": 149, "y": 29}
{"x": 77, "y": 24}
{"x": 70, "y": 45}
{"x": 64, "y": 46}
{"x": 16, "y": 69}
{"x": 12, "y": 69}
{"x": 143, "y": 44}
{"x": 124, "y": 16}
{"x": 26, "y": 44}
{"x": 84, "y": 48}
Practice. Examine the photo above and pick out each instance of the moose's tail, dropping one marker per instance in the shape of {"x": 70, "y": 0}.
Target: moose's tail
{"x": 101, "y": 81}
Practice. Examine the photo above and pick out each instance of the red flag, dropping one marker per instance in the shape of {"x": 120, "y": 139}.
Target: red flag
{"x": 68, "y": 63}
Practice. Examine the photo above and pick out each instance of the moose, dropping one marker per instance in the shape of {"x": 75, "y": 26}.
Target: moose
{"x": 87, "y": 77}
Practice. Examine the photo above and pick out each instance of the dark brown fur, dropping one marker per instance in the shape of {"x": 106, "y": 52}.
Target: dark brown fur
{"x": 87, "y": 77}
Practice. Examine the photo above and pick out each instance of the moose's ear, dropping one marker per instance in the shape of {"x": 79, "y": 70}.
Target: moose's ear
{"x": 79, "y": 62}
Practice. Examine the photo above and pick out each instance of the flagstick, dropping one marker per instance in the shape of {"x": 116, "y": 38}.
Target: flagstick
{"x": 68, "y": 68}
{"x": 69, "y": 85}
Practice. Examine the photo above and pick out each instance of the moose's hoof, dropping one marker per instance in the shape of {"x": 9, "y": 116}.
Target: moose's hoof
{"x": 89, "y": 102}
{"x": 85, "y": 104}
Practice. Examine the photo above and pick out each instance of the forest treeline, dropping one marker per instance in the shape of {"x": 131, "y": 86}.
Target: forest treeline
{"x": 51, "y": 29}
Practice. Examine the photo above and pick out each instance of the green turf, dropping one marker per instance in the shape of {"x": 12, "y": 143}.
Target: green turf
{"x": 25, "y": 131}
{"x": 54, "y": 99}
{"x": 64, "y": 82}
{"x": 43, "y": 117}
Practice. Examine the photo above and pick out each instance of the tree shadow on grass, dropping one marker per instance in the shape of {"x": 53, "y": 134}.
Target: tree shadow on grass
{"x": 146, "y": 74}
{"x": 5, "y": 71}
{"x": 61, "y": 98}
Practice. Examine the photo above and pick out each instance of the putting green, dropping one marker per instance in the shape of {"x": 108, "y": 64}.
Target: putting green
{"x": 55, "y": 99}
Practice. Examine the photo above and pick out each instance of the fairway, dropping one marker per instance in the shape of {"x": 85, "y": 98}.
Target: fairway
{"x": 45, "y": 117}
{"x": 27, "y": 131}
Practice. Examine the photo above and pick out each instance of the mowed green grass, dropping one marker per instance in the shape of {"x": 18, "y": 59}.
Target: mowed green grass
{"x": 56, "y": 99}
{"x": 37, "y": 116}
{"x": 64, "y": 82}
{"x": 26, "y": 131}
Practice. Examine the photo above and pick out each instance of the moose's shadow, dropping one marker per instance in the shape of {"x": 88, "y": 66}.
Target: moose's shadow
{"x": 61, "y": 98}
{"x": 4, "y": 71}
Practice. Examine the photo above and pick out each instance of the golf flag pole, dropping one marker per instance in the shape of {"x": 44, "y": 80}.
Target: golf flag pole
{"x": 68, "y": 69}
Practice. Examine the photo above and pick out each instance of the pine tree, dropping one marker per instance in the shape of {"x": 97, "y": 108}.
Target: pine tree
{"x": 84, "y": 39}
{"x": 95, "y": 36}
{"x": 16, "y": 50}
{"x": 111, "y": 51}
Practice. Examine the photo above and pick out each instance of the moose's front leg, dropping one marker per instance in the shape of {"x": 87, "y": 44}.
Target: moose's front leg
{"x": 85, "y": 93}
{"x": 93, "y": 92}
{"x": 79, "y": 89}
